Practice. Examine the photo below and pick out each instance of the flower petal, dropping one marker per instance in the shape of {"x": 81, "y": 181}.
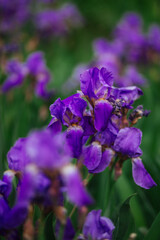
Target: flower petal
{"x": 102, "y": 113}
{"x": 141, "y": 177}
{"x": 92, "y": 155}
{"x": 105, "y": 161}
{"x": 74, "y": 187}
{"x": 128, "y": 141}
{"x": 74, "y": 139}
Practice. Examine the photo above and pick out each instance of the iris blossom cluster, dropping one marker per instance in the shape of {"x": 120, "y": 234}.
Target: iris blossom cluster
{"x": 57, "y": 20}
{"x": 130, "y": 46}
{"x": 100, "y": 133}
{"x": 129, "y": 49}
{"x": 13, "y": 14}
{"x": 100, "y": 125}
{"x": 42, "y": 165}
{"x": 35, "y": 69}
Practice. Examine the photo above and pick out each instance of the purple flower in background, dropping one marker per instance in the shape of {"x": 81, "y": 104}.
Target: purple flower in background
{"x": 130, "y": 77}
{"x": 154, "y": 37}
{"x": 58, "y": 21}
{"x": 16, "y": 156}
{"x": 97, "y": 227}
{"x": 74, "y": 187}
{"x": 17, "y": 73}
{"x": 13, "y": 14}
{"x": 37, "y": 68}
{"x": 47, "y": 150}
{"x": 34, "y": 68}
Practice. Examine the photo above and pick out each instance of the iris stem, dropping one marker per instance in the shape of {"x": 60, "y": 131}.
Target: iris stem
{"x": 109, "y": 184}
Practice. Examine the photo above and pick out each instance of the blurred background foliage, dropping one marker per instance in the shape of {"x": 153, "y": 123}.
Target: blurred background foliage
{"x": 18, "y": 116}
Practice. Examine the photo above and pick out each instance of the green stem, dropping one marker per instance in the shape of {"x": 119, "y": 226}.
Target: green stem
{"x": 109, "y": 184}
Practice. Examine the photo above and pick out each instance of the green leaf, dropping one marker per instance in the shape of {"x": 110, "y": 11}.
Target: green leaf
{"x": 124, "y": 220}
{"x": 154, "y": 231}
{"x": 46, "y": 228}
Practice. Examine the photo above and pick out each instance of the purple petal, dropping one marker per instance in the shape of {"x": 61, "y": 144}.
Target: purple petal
{"x": 92, "y": 155}
{"x": 19, "y": 212}
{"x": 74, "y": 138}
{"x": 108, "y": 227}
{"x": 108, "y": 136}
{"x": 88, "y": 126}
{"x": 7, "y": 179}
{"x": 140, "y": 175}
{"x": 128, "y": 141}
{"x": 77, "y": 106}
{"x": 4, "y": 209}
{"x": 74, "y": 187}
{"x": 128, "y": 94}
{"x": 55, "y": 125}
{"x": 105, "y": 161}
{"x": 102, "y": 113}
{"x": 57, "y": 109}
{"x": 35, "y": 62}
{"x": 12, "y": 81}
{"x": 47, "y": 150}
{"x": 107, "y": 76}
{"x": 87, "y": 84}
{"x": 41, "y": 91}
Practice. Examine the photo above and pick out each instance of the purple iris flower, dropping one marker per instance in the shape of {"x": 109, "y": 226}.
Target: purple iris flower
{"x": 34, "y": 67}
{"x": 98, "y": 84}
{"x": 70, "y": 110}
{"x": 16, "y": 156}
{"x": 70, "y": 113}
{"x": 97, "y": 227}
{"x": 58, "y": 21}
{"x": 37, "y": 68}
{"x": 50, "y": 153}
{"x": 20, "y": 209}
{"x": 127, "y": 143}
{"x": 17, "y": 73}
